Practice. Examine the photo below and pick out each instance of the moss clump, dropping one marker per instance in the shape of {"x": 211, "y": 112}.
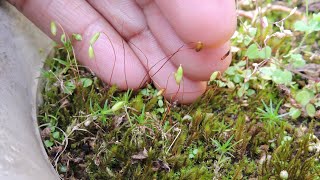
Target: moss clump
{"x": 239, "y": 129}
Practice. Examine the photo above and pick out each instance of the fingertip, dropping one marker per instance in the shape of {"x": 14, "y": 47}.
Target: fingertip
{"x": 212, "y": 22}
{"x": 186, "y": 94}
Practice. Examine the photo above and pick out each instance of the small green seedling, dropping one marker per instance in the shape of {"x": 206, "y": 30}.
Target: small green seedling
{"x": 271, "y": 113}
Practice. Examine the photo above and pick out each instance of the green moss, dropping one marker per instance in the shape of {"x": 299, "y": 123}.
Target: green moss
{"x": 221, "y": 135}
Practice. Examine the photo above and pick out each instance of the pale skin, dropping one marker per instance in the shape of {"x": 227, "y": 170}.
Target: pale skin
{"x": 144, "y": 32}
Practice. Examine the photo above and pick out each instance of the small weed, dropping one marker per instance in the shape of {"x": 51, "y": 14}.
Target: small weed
{"x": 269, "y": 113}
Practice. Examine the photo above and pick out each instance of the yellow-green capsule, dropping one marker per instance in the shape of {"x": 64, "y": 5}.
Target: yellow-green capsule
{"x": 178, "y": 75}
{"x": 117, "y": 106}
{"x": 77, "y": 37}
{"x": 53, "y": 28}
{"x": 160, "y": 92}
{"x": 199, "y": 46}
{"x": 94, "y": 38}
{"x": 214, "y": 76}
{"x": 63, "y": 38}
{"x": 91, "y": 52}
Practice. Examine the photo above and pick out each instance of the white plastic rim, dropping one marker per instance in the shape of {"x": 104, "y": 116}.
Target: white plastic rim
{"x": 23, "y": 48}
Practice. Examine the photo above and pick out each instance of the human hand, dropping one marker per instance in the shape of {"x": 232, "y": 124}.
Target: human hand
{"x": 150, "y": 38}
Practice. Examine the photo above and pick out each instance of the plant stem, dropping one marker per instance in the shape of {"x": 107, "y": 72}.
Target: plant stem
{"x": 307, "y": 8}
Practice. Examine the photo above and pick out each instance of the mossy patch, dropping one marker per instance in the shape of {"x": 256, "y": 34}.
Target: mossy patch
{"x": 240, "y": 128}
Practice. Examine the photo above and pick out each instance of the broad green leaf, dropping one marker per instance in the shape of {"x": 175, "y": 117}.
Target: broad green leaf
{"x": 69, "y": 87}
{"x": 160, "y": 103}
{"x": 241, "y": 91}
{"x": 254, "y": 52}
{"x": 301, "y": 26}
{"x": 282, "y": 77}
{"x": 48, "y": 143}
{"x": 221, "y": 84}
{"x": 304, "y": 96}
{"x": 241, "y": 64}
{"x": 314, "y": 26}
{"x": 86, "y": 82}
{"x": 231, "y": 70}
{"x": 297, "y": 60}
{"x": 311, "y": 110}
{"x": 56, "y": 135}
{"x": 161, "y": 110}
{"x": 294, "y": 113}
{"x": 267, "y": 72}
{"x": 237, "y": 78}
{"x": 265, "y": 53}
{"x": 252, "y": 31}
{"x": 316, "y": 17}
{"x": 250, "y": 92}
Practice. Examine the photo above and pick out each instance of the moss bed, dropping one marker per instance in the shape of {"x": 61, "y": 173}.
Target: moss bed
{"x": 237, "y": 130}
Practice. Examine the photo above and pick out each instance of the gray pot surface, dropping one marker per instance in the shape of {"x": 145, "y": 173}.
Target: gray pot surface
{"x": 23, "y": 49}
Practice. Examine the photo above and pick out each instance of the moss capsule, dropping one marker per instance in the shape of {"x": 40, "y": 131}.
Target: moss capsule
{"x": 225, "y": 56}
{"x": 199, "y": 46}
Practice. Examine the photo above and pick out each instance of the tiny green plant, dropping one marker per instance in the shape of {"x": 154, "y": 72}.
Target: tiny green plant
{"x": 269, "y": 113}
{"x": 226, "y": 148}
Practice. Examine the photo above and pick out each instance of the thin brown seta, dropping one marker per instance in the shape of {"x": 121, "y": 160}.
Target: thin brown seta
{"x": 226, "y": 55}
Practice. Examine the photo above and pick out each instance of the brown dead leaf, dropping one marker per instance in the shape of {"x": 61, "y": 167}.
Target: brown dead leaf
{"x": 160, "y": 165}
{"x": 118, "y": 120}
{"x": 315, "y": 7}
{"x": 45, "y": 133}
{"x": 141, "y": 155}
{"x": 311, "y": 70}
